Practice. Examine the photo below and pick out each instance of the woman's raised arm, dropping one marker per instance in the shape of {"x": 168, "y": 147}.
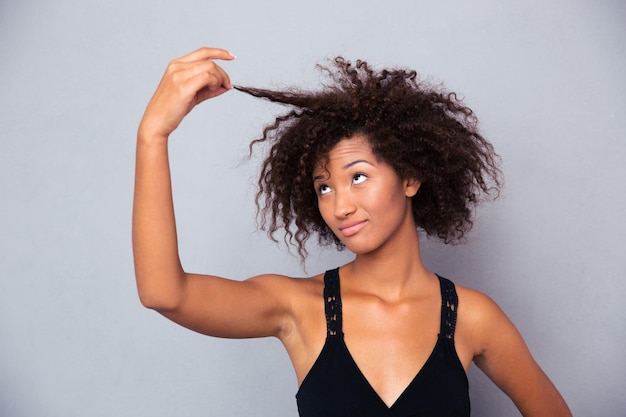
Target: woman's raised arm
{"x": 207, "y": 304}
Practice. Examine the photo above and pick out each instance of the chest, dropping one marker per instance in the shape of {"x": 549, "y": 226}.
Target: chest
{"x": 390, "y": 344}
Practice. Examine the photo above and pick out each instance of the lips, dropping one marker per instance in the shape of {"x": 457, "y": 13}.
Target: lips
{"x": 349, "y": 229}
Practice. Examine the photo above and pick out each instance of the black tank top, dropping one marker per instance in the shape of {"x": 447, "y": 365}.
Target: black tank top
{"x": 335, "y": 387}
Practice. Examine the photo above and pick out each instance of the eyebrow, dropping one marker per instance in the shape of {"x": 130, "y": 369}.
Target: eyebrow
{"x": 346, "y": 166}
{"x": 358, "y": 161}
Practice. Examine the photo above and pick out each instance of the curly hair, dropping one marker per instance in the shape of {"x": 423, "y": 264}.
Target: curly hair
{"x": 422, "y": 131}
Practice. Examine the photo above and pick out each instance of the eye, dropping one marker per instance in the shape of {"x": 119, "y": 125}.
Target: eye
{"x": 359, "y": 178}
{"x": 323, "y": 189}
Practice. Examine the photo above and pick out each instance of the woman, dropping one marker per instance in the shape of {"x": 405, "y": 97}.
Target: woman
{"x": 364, "y": 164}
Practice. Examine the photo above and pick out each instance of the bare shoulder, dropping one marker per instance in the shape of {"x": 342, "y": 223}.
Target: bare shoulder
{"x": 477, "y": 306}
{"x": 479, "y": 319}
{"x": 295, "y": 293}
{"x": 289, "y": 286}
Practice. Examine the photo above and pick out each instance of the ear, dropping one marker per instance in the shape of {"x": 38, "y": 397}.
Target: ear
{"x": 411, "y": 186}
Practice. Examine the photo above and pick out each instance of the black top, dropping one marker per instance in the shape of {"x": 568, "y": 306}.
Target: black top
{"x": 335, "y": 386}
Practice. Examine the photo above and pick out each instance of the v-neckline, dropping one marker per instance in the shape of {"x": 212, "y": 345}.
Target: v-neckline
{"x": 355, "y": 364}
{"x": 371, "y": 387}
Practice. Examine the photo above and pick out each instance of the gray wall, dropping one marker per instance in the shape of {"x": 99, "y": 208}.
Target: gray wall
{"x": 545, "y": 77}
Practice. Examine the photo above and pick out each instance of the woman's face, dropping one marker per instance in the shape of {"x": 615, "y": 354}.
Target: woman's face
{"x": 361, "y": 198}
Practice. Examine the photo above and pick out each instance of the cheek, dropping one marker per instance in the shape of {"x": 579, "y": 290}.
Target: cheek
{"x": 385, "y": 198}
{"x": 390, "y": 205}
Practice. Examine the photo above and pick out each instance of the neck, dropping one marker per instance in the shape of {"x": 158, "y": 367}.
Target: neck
{"x": 390, "y": 270}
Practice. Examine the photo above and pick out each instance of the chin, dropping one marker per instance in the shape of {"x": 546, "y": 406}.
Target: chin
{"x": 360, "y": 249}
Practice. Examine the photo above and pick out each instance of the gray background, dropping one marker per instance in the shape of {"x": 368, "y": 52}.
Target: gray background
{"x": 546, "y": 78}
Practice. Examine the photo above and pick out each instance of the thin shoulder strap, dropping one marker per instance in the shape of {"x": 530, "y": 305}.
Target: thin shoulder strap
{"x": 332, "y": 302}
{"x": 449, "y": 305}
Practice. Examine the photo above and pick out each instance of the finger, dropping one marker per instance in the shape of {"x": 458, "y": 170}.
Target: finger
{"x": 206, "y": 53}
{"x": 208, "y": 86}
{"x": 186, "y": 71}
{"x": 224, "y": 77}
{"x": 210, "y": 75}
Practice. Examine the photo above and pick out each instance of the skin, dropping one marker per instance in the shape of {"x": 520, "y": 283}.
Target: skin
{"x": 391, "y": 302}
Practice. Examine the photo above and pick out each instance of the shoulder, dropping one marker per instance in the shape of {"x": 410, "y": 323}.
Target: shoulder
{"x": 287, "y": 282}
{"x": 480, "y": 319}
{"x": 476, "y": 305}
{"x": 288, "y": 289}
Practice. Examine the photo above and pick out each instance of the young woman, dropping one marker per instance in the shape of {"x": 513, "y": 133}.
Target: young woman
{"x": 363, "y": 164}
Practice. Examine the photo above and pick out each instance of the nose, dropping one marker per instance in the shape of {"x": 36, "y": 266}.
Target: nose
{"x": 344, "y": 205}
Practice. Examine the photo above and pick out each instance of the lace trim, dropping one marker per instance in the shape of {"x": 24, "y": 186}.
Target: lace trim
{"x": 332, "y": 302}
{"x": 449, "y": 305}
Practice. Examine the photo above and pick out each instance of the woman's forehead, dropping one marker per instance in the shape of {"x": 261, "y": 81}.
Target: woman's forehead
{"x": 346, "y": 152}
{"x": 345, "y": 148}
